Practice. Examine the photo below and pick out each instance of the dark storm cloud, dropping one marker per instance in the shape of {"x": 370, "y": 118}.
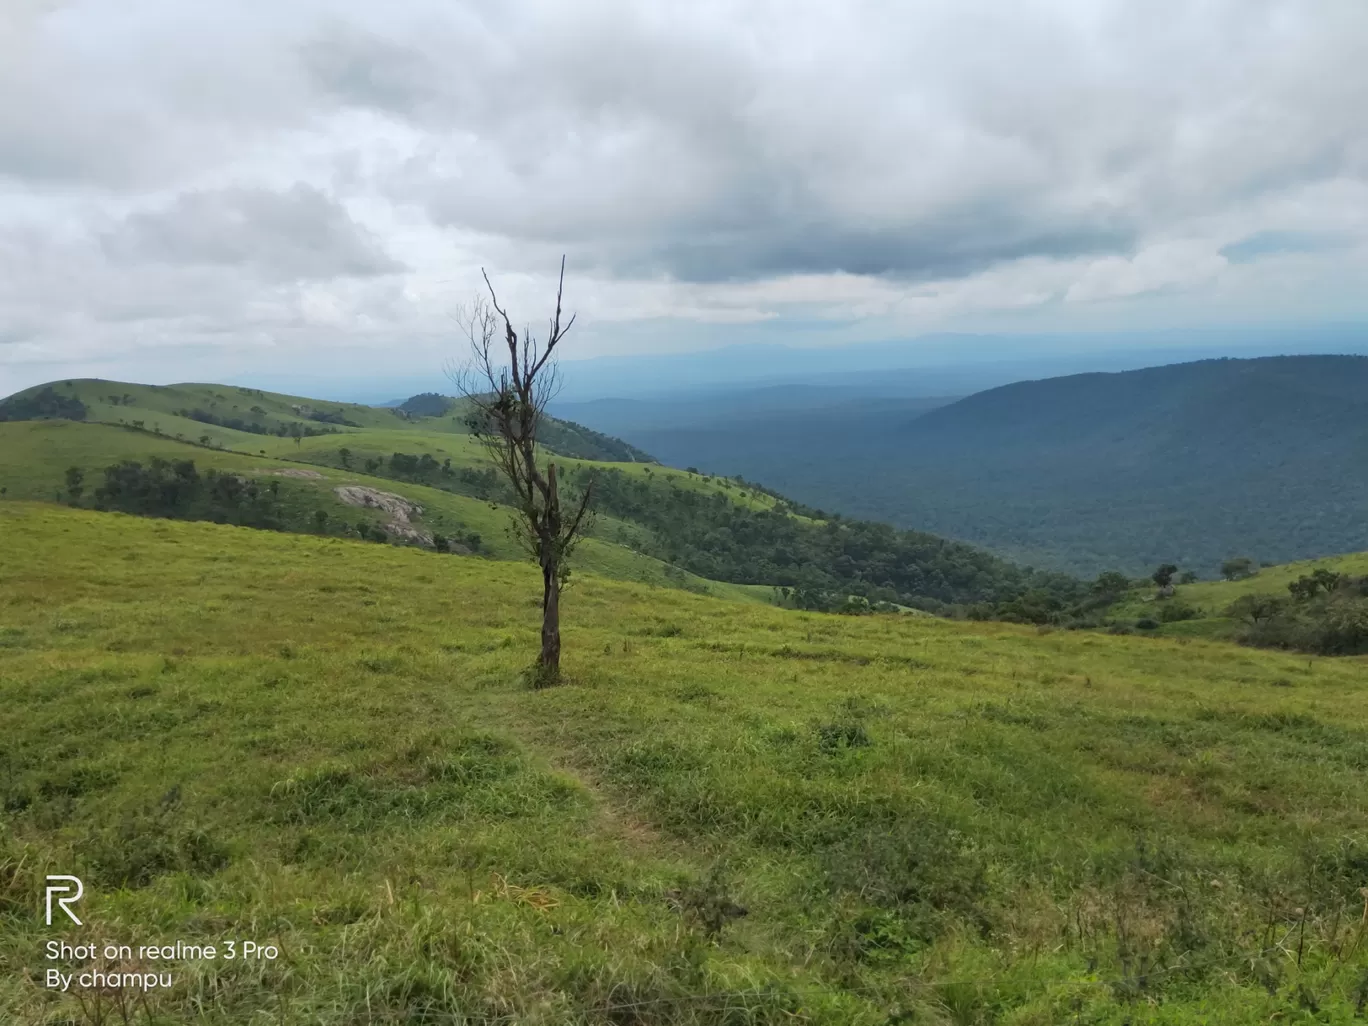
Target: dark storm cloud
{"x": 296, "y": 234}
{"x": 946, "y": 244}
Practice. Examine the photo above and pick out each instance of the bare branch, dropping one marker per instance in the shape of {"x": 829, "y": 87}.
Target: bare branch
{"x": 509, "y": 406}
{"x": 573, "y": 530}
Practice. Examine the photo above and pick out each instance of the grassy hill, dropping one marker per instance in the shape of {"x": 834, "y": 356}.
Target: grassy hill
{"x": 325, "y": 746}
{"x": 303, "y": 459}
{"x": 35, "y": 454}
{"x": 1190, "y": 463}
{"x": 231, "y": 416}
{"x": 1212, "y": 599}
{"x": 1270, "y": 580}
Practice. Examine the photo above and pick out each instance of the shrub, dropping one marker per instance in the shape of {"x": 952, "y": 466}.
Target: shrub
{"x": 1173, "y": 612}
{"x": 1326, "y": 614}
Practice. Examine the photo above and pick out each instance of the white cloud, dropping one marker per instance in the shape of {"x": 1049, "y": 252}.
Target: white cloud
{"x": 1179, "y": 264}
{"x": 292, "y": 176}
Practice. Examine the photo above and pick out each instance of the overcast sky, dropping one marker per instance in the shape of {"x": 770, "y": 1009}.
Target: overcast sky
{"x": 203, "y": 189}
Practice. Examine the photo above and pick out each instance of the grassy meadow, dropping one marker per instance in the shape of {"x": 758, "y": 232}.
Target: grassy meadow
{"x": 34, "y": 456}
{"x": 731, "y": 813}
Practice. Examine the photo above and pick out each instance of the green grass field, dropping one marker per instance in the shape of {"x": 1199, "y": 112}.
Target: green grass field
{"x": 327, "y": 746}
{"x": 34, "y": 456}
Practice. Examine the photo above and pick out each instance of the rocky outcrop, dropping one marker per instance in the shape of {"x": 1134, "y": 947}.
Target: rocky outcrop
{"x": 399, "y": 511}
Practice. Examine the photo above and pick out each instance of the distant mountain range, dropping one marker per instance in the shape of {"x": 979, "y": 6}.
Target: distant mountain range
{"x": 1187, "y": 463}
{"x": 937, "y": 364}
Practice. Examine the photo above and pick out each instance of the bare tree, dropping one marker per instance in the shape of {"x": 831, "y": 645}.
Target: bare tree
{"x": 508, "y": 382}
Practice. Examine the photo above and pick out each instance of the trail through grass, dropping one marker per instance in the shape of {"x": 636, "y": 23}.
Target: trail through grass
{"x": 731, "y": 814}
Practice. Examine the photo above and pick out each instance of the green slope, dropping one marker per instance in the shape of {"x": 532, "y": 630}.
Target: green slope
{"x": 213, "y": 413}
{"x": 325, "y": 746}
{"x": 34, "y": 456}
{"x": 1211, "y": 599}
{"x": 708, "y": 527}
{"x": 1271, "y": 580}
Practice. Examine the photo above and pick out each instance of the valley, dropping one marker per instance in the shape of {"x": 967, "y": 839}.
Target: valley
{"x": 1187, "y": 463}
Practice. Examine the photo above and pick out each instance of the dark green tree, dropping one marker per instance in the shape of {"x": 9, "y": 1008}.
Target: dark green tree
{"x": 1111, "y": 585}
{"x": 1257, "y": 609}
{"x": 1163, "y": 577}
{"x": 75, "y": 484}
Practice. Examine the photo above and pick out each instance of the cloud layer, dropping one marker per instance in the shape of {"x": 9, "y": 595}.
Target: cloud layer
{"x": 286, "y": 180}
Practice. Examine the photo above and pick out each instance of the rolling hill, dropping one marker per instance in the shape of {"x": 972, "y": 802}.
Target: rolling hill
{"x": 416, "y": 474}
{"x": 1206, "y": 605}
{"x": 1188, "y": 463}
{"x": 223, "y": 414}
{"x": 731, "y": 813}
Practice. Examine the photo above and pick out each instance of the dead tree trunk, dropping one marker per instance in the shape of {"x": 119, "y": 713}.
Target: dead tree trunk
{"x": 551, "y": 578}
{"x": 508, "y": 402}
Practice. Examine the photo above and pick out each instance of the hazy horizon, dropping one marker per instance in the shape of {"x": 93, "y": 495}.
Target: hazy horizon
{"x": 933, "y": 365}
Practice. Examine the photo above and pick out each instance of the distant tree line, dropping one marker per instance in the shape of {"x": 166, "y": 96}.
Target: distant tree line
{"x": 281, "y": 429}
{"x": 827, "y": 568}
{"x": 45, "y": 404}
{"x": 330, "y": 417}
{"x": 176, "y": 489}
{"x": 423, "y": 468}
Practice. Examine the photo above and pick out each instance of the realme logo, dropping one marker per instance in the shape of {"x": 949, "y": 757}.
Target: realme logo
{"x": 55, "y": 890}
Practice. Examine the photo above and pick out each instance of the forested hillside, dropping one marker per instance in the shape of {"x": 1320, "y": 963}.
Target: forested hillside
{"x": 1190, "y": 463}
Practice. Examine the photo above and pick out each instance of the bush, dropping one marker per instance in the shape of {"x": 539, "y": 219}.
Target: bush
{"x": 1326, "y": 614}
{"x": 1147, "y": 623}
{"x": 1173, "y": 612}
